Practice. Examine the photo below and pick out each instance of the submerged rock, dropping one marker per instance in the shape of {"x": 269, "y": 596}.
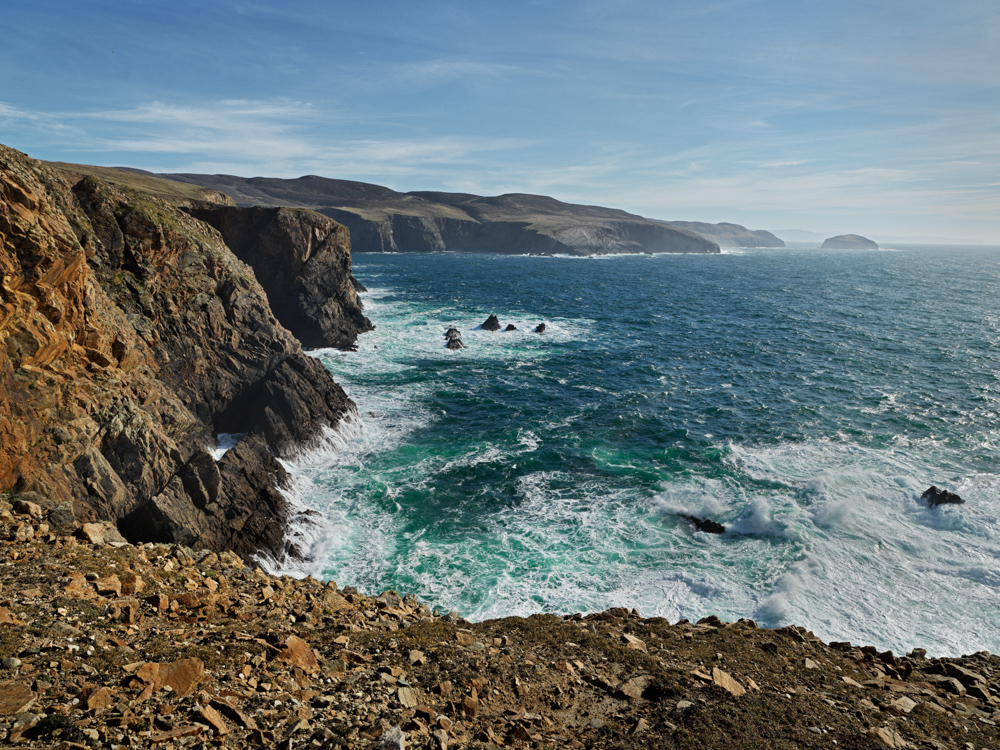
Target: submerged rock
{"x": 935, "y": 496}
{"x": 491, "y": 324}
{"x": 707, "y": 525}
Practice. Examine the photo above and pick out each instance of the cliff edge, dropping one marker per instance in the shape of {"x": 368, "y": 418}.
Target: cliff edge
{"x": 130, "y": 337}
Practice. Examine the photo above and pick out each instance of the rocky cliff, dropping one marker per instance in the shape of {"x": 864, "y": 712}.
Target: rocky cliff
{"x": 130, "y": 337}
{"x": 730, "y": 235}
{"x": 303, "y": 261}
{"x": 383, "y": 220}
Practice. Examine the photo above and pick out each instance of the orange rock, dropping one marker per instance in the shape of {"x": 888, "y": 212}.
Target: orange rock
{"x": 298, "y": 653}
{"x": 727, "y": 683}
{"x": 214, "y": 719}
{"x": 15, "y": 698}
{"x": 6, "y": 618}
{"x": 132, "y": 584}
{"x": 181, "y": 676}
{"x": 109, "y": 585}
{"x": 102, "y": 697}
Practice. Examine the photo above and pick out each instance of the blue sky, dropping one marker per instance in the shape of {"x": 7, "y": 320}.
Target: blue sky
{"x": 879, "y": 117}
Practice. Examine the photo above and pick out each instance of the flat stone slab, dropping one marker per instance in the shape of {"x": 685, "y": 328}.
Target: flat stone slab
{"x": 15, "y": 698}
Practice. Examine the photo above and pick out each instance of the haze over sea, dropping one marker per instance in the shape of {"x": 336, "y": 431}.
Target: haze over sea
{"x": 804, "y": 398}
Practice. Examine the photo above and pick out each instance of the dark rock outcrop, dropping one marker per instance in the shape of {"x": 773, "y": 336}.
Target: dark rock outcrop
{"x": 452, "y": 333}
{"x": 510, "y": 327}
{"x": 848, "y": 242}
{"x": 454, "y": 344}
{"x": 707, "y": 525}
{"x": 129, "y": 337}
{"x": 934, "y": 496}
{"x": 303, "y": 261}
{"x": 491, "y": 324}
{"x": 540, "y": 328}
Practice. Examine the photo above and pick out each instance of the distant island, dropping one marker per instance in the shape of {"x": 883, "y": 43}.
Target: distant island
{"x": 383, "y": 220}
{"x": 848, "y": 242}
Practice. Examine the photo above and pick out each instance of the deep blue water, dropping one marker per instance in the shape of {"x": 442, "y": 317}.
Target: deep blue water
{"x": 803, "y": 398}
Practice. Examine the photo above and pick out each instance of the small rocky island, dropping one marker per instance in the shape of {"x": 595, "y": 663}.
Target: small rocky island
{"x": 848, "y": 242}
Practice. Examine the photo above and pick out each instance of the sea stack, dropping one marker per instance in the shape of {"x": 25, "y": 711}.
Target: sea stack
{"x": 848, "y": 242}
{"x": 492, "y": 323}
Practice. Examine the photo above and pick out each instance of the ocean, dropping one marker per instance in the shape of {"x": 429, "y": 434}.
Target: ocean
{"x": 803, "y": 398}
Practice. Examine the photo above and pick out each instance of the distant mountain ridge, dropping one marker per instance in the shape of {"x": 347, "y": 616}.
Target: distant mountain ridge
{"x": 383, "y": 220}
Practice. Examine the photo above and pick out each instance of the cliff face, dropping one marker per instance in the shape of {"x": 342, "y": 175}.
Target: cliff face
{"x": 382, "y": 220}
{"x": 129, "y": 337}
{"x": 303, "y": 261}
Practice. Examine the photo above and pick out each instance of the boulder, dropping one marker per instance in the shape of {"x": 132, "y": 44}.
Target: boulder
{"x": 934, "y": 496}
{"x": 454, "y": 344}
{"x": 491, "y": 324}
{"x": 707, "y": 525}
{"x": 510, "y": 327}
{"x": 540, "y": 328}
{"x": 452, "y": 333}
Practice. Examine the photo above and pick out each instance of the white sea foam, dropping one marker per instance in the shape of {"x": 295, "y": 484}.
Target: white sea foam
{"x": 224, "y": 442}
{"x": 828, "y": 533}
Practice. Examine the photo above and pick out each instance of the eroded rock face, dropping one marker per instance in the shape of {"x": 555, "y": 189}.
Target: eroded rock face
{"x": 129, "y": 336}
{"x": 303, "y": 261}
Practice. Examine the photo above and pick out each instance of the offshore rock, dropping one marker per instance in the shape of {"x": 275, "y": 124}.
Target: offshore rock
{"x": 491, "y": 324}
{"x": 303, "y": 261}
{"x": 848, "y": 242}
{"x": 452, "y": 333}
{"x": 934, "y": 496}
{"x": 540, "y": 328}
{"x": 510, "y": 327}
{"x": 454, "y": 344}
{"x": 707, "y": 525}
{"x": 129, "y": 337}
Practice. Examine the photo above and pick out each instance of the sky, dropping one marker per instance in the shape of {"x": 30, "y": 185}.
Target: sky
{"x": 878, "y": 117}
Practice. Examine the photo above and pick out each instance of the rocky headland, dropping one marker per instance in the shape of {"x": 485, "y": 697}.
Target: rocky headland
{"x": 383, "y": 220}
{"x": 726, "y": 234}
{"x": 849, "y": 242}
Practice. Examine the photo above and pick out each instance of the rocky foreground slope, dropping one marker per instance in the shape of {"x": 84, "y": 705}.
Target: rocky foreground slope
{"x": 131, "y": 336}
{"x": 105, "y": 644}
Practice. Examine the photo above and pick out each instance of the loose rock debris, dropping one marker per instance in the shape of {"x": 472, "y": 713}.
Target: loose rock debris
{"x": 108, "y": 645}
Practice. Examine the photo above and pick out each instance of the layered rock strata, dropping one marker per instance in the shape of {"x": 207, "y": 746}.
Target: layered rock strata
{"x": 130, "y": 336}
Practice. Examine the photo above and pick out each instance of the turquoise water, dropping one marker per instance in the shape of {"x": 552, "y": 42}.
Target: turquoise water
{"x": 803, "y": 398}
